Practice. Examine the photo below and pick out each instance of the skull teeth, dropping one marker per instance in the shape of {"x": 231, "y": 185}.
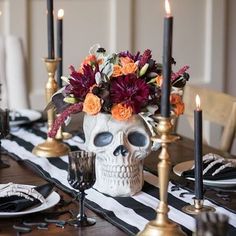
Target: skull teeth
{"x": 123, "y": 181}
{"x": 122, "y": 172}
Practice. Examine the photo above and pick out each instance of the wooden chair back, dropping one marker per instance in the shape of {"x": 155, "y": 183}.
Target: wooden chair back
{"x": 218, "y": 108}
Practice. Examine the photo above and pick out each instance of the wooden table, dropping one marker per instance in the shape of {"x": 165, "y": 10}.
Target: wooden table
{"x": 19, "y": 173}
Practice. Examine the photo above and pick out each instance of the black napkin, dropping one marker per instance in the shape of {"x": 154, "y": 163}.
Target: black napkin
{"x": 15, "y": 203}
{"x": 19, "y": 118}
{"x": 226, "y": 169}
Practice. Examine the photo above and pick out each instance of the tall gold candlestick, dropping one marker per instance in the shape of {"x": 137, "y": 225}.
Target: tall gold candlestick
{"x": 51, "y": 147}
{"x": 162, "y": 225}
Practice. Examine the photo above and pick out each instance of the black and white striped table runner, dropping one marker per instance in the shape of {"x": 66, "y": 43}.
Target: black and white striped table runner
{"x": 131, "y": 214}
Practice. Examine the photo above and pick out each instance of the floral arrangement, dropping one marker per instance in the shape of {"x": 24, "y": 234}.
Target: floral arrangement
{"x": 121, "y": 84}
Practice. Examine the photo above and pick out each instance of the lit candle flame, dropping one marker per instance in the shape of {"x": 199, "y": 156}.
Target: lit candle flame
{"x": 60, "y": 14}
{"x": 198, "y": 102}
{"x": 0, "y": 13}
{"x": 167, "y": 8}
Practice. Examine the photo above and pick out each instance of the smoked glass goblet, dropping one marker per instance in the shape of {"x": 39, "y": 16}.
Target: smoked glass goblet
{"x": 4, "y": 131}
{"x": 81, "y": 176}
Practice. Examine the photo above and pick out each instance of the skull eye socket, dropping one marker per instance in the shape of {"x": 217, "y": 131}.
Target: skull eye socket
{"x": 137, "y": 139}
{"x": 103, "y": 139}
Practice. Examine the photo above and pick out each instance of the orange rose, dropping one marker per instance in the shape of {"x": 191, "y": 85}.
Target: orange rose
{"x": 175, "y": 98}
{"x": 89, "y": 60}
{"x": 129, "y": 68}
{"x": 179, "y": 108}
{"x": 159, "y": 80}
{"x": 116, "y": 71}
{"x": 92, "y": 104}
{"x": 121, "y": 112}
{"x": 125, "y": 60}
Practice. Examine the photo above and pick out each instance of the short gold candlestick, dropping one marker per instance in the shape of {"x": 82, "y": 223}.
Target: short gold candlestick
{"x": 51, "y": 147}
{"x": 197, "y": 208}
{"x": 162, "y": 225}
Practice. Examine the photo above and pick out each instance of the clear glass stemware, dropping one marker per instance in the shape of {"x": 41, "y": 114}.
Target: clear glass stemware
{"x": 81, "y": 176}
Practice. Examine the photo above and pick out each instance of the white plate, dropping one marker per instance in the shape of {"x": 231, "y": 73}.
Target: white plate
{"x": 187, "y": 165}
{"x": 51, "y": 201}
{"x": 30, "y": 114}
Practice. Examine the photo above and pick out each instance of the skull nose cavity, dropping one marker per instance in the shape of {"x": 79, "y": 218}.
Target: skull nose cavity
{"x": 121, "y": 149}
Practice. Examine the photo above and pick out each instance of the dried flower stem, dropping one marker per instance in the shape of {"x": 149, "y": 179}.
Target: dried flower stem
{"x": 77, "y": 107}
{"x": 179, "y": 73}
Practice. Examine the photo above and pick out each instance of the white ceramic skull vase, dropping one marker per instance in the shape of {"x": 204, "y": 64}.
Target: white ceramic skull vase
{"x": 121, "y": 147}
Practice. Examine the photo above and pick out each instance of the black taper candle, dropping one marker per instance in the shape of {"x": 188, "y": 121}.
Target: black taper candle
{"x": 167, "y": 57}
{"x": 60, "y": 46}
{"x": 198, "y": 172}
{"x": 51, "y": 52}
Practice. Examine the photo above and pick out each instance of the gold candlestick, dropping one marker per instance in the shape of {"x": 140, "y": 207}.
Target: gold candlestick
{"x": 162, "y": 225}
{"x": 51, "y": 147}
{"x": 197, "y": 208}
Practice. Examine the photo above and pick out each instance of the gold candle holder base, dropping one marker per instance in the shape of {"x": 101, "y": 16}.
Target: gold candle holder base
{"x": 66, "y": 135}
{"x": 197, "y": 208}
{"x": 51, "y": 148}
{"x": 61, "y": 135}
{"x": 162, "y": 225}
{"x": 167, "y": 228}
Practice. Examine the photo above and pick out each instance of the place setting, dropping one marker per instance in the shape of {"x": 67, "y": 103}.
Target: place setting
{"x": 209, "y": 171}
{"x": 11, "y": 121}
{"x": 19, "y": 199}
{"x": 217, "y": 171}
{"x": 23, "y": 116}
{"x": 22, "y": 199}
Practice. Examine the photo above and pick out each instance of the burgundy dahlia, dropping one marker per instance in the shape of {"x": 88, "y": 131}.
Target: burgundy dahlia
{"x": 129, "y": 90}
{"x": 80, "y": 83}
